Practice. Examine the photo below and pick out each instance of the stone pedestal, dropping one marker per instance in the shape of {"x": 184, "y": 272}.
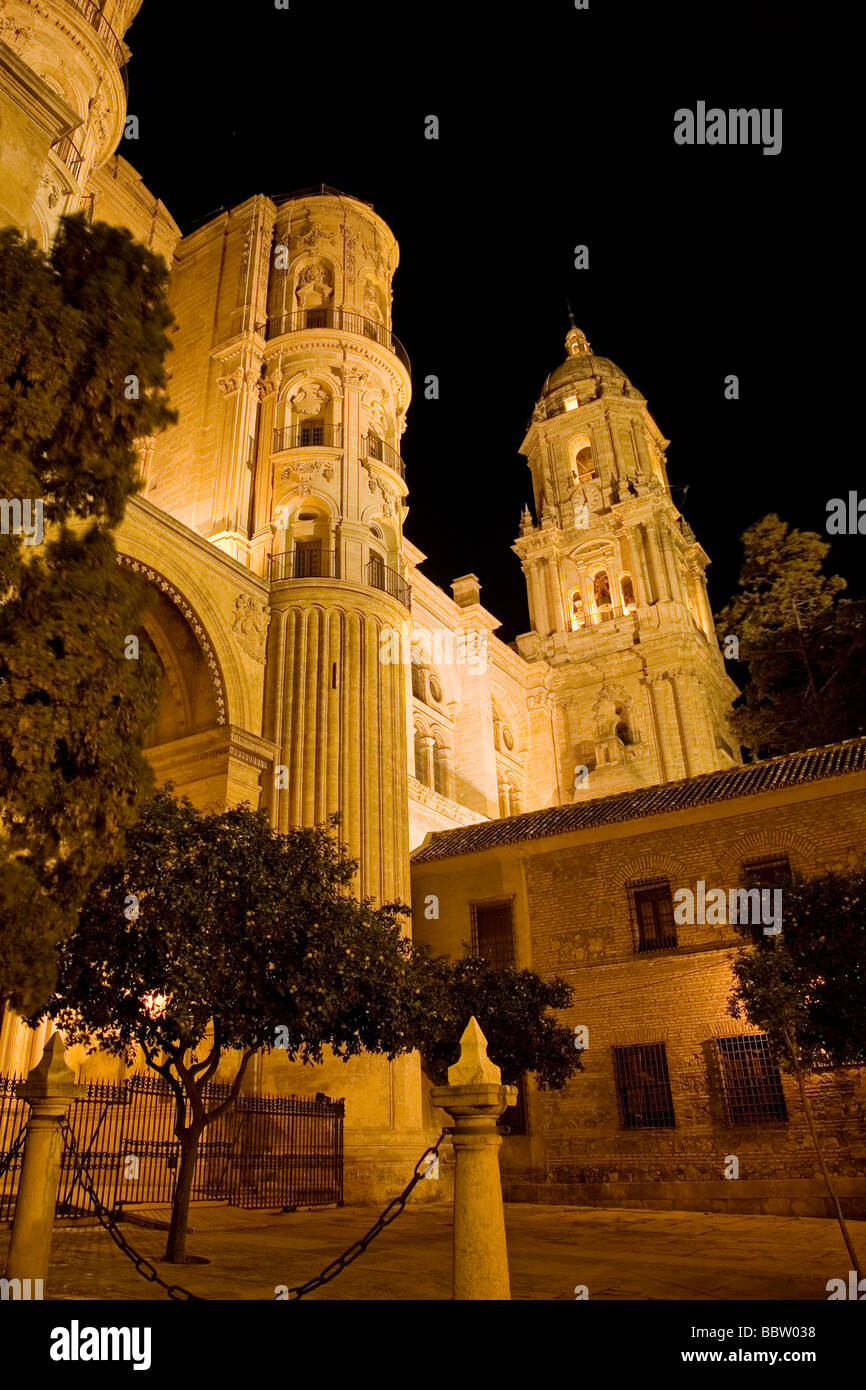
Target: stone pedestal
{"x": 49, "y": 1088}
{"x": 475, "y": 1098}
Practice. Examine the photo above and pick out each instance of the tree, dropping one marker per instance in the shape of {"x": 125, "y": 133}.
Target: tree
{"x": 215, "y": 933}
{"x": 82, "y": 341}
{"x": 511, "y": 1007}
{"x": 806, "y": 989}
{"x": 803, "y": 646}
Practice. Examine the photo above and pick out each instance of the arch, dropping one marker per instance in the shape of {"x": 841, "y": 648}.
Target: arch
{"x": 626, "y": 593}
{"x": 581, "y": 459}
{"x": 575, "y": 609}
{"x": 422, "y": 756}
{"x": 314, "y": 279}
{"x": 194, "y": 623}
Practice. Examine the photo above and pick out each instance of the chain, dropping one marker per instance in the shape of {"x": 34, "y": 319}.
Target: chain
{"x": 148, "y": 1271}
{"x": 391, "y": 1212}
{"x": 104, "y": 1217}
{"x": 8, "y": 1159}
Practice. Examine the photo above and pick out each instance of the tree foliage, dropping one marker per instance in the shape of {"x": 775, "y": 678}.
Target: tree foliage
{"x": 808, "y": 984}
{"x": 804, "y": 648}
{"x": 511, "y": 1007}
{"x": 77, "y": 324}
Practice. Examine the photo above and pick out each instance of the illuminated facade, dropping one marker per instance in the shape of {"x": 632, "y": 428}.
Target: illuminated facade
{"x": 290, "y": 604}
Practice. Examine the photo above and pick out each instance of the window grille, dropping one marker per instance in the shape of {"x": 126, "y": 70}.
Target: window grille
{"x": 493, "y": 933}
{"x": 751, "y": 1084}
{"x": 774, "y": 871}
{"x": 652, "y": 910}
{"x": 643, "y": 1088}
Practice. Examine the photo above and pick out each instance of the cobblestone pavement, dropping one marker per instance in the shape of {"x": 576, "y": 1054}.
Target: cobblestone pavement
{"x": 618, "y": 1254}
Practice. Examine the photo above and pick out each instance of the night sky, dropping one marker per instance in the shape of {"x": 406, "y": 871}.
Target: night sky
{"x": 556, "y": 129}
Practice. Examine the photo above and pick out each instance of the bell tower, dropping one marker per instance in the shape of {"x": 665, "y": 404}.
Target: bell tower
{"x": 637, "y": 689}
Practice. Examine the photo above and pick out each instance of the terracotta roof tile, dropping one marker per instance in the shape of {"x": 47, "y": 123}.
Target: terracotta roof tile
{"x": 789, "y": 770}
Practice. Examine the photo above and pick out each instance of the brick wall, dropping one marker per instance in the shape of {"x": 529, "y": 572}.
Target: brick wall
{"x": 572, "y": 915}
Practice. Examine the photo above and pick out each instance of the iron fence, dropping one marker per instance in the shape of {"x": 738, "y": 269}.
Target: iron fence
{"x": 264, "y": 1151}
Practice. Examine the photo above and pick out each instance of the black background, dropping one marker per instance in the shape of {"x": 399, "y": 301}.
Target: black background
{"x": 556, "y": 129}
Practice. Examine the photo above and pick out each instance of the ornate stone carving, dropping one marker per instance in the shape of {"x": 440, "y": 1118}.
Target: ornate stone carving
{"x": 309, "y": 399}
{"x": 306, "y": 469}
{"x": 250, "y": 625}
{"x": 351, "y": 376}
{"x": 160, "y": 582}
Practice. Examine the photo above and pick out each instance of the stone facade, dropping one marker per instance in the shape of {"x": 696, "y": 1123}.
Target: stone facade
{"x": 571, "y": 894}
{"x": 310, "y": 666}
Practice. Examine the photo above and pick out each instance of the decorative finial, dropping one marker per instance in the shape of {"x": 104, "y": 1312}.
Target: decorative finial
{"x": 473, "y": 1067}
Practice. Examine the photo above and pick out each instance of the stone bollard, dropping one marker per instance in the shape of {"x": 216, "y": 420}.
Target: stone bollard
{"x": 475, "y": 1098}
{"x": 49, "y": 1088}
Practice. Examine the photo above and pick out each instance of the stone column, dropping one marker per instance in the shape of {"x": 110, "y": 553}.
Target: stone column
{"x": 475, "y": 1098}
{"x": 49, "y": 1088}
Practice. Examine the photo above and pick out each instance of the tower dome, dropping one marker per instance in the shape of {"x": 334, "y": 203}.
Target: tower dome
{"x": 584, "y": 373}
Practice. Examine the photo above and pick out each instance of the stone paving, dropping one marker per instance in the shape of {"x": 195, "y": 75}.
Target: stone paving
{"x": 620, "y": 1254}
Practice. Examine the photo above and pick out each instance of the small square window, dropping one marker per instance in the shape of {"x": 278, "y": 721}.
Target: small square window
{"x": 750, "y": 1080}
{"x": 643, "y": 1087}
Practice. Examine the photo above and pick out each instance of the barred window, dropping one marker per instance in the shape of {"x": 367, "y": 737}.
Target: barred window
{"x": 652, "y": 915}
{"x": 643, "y": 1088}
{"x": 751, "y": 1083}
{"x": 516, "y": 1116}
{"x": 493, "y": 932}
{"x": 774, "y": 871}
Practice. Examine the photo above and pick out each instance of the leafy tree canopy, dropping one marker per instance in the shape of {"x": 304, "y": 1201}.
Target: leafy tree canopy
{"x": 804, "y": 648}
{"x": 807, "y": 986}
{"x": 82, "y": 341}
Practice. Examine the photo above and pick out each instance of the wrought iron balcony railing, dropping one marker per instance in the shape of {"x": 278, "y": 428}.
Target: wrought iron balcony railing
{"x": 345, "y": 319}
{"x": 96, "y": 19}
{"x": 378, "y": 449}
{"x": 606, "y": 613}
{"x": 69, "y": 155}
{"x": 389, "y": 582}
{"x": 303, "y": 564}
{"x": 306, "y": 436}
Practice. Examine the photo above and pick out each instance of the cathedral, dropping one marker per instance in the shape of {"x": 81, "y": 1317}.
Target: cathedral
{"x": 309, "y": 665}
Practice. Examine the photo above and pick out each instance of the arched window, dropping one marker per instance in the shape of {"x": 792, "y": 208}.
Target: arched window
{"x": 601, "y": 595}
{"x": 578, "y": 617}
{"x": 440, "y": 769}
{"x": 417, "y": 679}
{"x": 627, "y": 591}
{"x": 622, "y": 729}
{"x": 581, "y": 461}
{"x": 503, "y": 799}
{"x": 422, "y": 758}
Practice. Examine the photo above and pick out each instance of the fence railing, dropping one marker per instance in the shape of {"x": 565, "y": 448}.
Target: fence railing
{"x": 389, "y": 582}
{"x": 303, "y": 564}
{"x": 305, "y": 437}
{"x": 344, "y": 319}
{"x": 378, "y": 449}
{"x": 96, "y": 19}
{"x": 264, "y": 1151}
{"x": 69, "y": 155}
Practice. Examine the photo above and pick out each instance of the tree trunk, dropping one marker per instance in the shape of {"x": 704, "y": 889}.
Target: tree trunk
{"x": 807, "y": 1106}
{"x": 175, "y": 1250}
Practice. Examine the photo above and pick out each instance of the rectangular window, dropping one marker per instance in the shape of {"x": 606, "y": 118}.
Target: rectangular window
{"x": 493, "y": 932}
{"x": 750, "y": 1079}
{"x": 653, "y": 915}
{"x": 643, "y": 1088}
{"x": 772, "y": 872}
{"x": 312, "y": 432}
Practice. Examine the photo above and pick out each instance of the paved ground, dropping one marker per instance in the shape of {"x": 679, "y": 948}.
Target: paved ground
{"x": 618, "y": 1254}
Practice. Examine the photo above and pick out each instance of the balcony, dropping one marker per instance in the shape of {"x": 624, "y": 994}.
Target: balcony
{"x": 344, "y": 319}
{"x": 306, "y": 436}
{"x": 607, "y": 612}
{"x": 69, "y": 156}
{"x": 96, "y": 19}
{"x": 303, "y": 564}
{"x": 383, "y": 453}
{"x": 389, "y": 582}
